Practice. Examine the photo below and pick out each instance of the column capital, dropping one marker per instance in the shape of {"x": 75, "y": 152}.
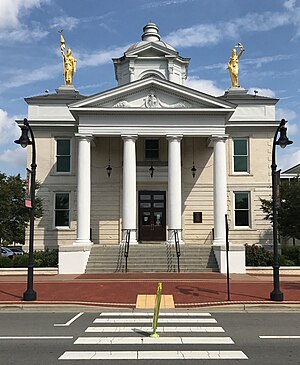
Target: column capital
{"x": 132, "y": 137}
{"x": 86, "y": 137}
{"x": 217, "y": 138}
{"x": 174, "y": 137}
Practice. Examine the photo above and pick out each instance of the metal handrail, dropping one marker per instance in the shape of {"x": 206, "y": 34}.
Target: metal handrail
{"x": 177, "y": 245}
{"x": 126, "y": 251}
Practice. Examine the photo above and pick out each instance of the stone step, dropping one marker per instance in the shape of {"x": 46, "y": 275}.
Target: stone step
{"x": 151, "y": 258}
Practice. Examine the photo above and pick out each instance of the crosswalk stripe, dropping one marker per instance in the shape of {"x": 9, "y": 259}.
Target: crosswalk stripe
{"x": 151, "y": 340}
{"x": 160, "y": 320}
{"x": 150, "y": 314}
{"x": 152, "y": 355}
{"x": 159, "y": 329}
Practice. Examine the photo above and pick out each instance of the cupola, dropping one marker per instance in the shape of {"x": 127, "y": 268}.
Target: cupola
{"x": 151, "y": 57}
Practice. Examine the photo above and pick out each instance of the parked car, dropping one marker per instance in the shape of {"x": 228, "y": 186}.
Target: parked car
{"x": 6, "y": 252}
{"x": 16, "y": 250}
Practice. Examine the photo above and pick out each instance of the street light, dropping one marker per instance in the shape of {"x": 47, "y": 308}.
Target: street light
{"x": 24, "y": 141}
{"x": 283, "y": 141}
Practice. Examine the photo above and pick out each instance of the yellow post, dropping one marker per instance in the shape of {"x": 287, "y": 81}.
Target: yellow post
{"x": 156, "y": 310}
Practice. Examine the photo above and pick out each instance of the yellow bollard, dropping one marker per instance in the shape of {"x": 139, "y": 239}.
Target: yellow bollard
{"x": 156, "y": 310}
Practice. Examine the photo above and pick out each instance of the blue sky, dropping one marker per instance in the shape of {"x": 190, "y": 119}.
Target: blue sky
{"x": 97, "y": 30}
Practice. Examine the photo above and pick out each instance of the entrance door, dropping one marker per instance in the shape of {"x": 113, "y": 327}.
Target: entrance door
{"x": 152, "y": 216}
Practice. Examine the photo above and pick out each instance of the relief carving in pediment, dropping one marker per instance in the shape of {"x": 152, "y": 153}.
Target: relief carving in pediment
{"x": 152, "y": 101}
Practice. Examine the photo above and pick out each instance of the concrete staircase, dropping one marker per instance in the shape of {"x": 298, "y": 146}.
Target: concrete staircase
{"x": 151, "y": 258}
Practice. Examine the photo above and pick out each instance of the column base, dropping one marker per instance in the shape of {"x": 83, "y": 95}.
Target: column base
{"x": 236, "y": 256}
{"x": 171, "y": 237}
{"x": 73, "y": 259}
{"x": 82, "y": 242}
{"x": 133, "y": 240}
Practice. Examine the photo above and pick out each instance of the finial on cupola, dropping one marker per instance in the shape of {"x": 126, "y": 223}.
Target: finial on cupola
{"x": 150, "y": 33}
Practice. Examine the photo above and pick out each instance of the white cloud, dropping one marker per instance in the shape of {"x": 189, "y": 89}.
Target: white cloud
{"x": 289, "y": 4}
{"x": 11, "y": 27}
{"x": 158, "y": 4}
{"x": 12, "y": 10}
{"x": 258, "y": 62}
{"x": 292, "y": 129}
{"x": 205, "y": 86}
{"x": 100, "y": 57}
{"x": 288, "y": 157}
{"x": 22, "y": 34}
{"x": 214, "y": 33}
{"x": 9, "y": 130}
{"x": 262, "y": 92}
{"x": 198, "y": 35}
{"x": 24, "y": 78}
{"x": 286, "y": 114}
{"x": 16, "y": 157}
{"x": 64, "y": 22}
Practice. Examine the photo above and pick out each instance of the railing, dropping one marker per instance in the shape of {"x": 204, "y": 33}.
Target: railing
{"x": 177, "y": 245}
{"x": 126, "y": 250}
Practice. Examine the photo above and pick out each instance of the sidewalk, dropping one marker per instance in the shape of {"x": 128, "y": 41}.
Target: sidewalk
{"x": 121, "y": 289}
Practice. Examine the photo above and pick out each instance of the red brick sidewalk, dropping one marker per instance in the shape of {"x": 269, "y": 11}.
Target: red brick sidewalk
{"x": 121, "y": 290}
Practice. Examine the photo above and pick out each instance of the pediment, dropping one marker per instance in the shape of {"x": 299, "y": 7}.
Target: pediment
{"x": 150, "y": 49}
{"x": 151, "y": 93}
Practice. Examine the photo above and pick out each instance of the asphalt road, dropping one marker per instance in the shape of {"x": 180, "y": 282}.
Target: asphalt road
{"x": 42, "y": 338}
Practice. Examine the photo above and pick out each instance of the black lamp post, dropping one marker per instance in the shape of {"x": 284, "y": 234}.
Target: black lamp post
{"x": 283, "y": 141}
{"x": 24, "y": 141}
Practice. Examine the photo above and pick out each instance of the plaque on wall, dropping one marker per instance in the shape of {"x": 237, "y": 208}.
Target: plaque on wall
{"x": 197, "y": 217}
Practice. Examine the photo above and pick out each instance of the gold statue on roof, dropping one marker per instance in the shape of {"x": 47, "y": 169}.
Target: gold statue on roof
{"x": 233, "y": 64}
{"x": 69, "y": 61}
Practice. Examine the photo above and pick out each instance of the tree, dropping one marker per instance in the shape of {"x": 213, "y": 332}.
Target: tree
{"x": 14, "y": 216}
{"x": 289, "y": 211}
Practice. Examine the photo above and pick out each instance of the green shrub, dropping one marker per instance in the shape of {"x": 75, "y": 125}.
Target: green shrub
{"x": 5, "y": 262}
{"x": 20, "y": 260}
{"x": 291, "y": 253}
{"x": 258, "y": 256}
{"x": 47, "y": 258}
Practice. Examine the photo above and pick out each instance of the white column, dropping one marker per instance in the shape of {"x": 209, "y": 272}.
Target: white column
{"x": 220, "y": 189}
{"x": 174, "y": 185}
{"x": 84, "y": 190}
{"x": 129, "y": 186}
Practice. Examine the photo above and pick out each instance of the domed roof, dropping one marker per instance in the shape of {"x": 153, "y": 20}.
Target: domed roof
{"x": 150, "y": 35}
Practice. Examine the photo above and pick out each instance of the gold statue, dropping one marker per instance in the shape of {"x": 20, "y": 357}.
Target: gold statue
{"x": 69, "y": 61}
{"x": 233, "y": 64}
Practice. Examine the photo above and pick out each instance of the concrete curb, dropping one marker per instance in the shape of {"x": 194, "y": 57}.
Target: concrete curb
{"x": 94, "y": 307}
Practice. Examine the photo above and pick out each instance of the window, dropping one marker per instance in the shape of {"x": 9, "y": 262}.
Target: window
{"x": 62, "y": 209}
{"x": 240, "y": 155}
{"x": 63, "y": 155}
{"x": 241, "y": 209}
{"x": 152, "y": 149}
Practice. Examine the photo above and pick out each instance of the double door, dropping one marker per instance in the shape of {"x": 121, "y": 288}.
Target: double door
{"x": 152, "y": 216}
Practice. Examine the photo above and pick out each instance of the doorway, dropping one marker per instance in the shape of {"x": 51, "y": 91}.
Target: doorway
{"x": 152, "y": 216}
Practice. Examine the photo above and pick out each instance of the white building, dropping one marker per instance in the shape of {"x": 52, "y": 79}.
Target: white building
{"x": 154, "y": 133}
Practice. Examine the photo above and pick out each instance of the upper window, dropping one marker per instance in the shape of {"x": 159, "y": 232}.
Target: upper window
{"x": 62, "y": 209}
{"x": 240, "y": 155}
{"x": 63, "y": 155}
{"x": 241, "y": 209}
{"x": 152, "y": 149}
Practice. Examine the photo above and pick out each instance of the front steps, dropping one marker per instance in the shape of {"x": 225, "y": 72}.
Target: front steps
{"x": 151, "y": 257}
